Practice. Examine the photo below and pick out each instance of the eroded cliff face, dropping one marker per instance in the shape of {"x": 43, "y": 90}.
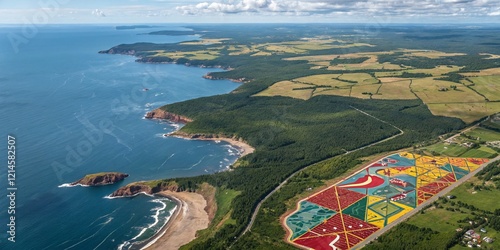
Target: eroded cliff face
{"x": 101, "y": 179}
{"x": 162, "y": 114}
{"x": 135, "y": 188}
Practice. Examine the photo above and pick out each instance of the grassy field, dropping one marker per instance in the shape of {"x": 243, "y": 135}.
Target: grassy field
{"x": 283, "y": 49}
{"x": 484, "y": 134}
{"x": 437, "y": 71}
{"x": 286, "y": 88}
{"x": 191, "y": 55}
{"x": 439, "y": 220}
{"x": 485, "y": 72}
{"x": 468, "y": 112}
{"x": 224, "y": 198}
{"x": 206, "y": 41}
{"x": 429, "y": 53}
{"x": 482, "y": 152}
{"x": 323, "y": 79}
{"x": 447, "y": 149}
{"x": 262, "y": 53}
{"x": 490, "y": 56}
{"x": 444, "y": 215}
{"x": 427, "y": 89}
{"x": 489, "y": 86}
{"x": 358, "y": 90}
{"x": 365, "y": 65}
{"x": 361, "y": 78}
{"x": 395, "y": 90}
{"x": 338, "y": 92}
{"x": 482, "y": 199}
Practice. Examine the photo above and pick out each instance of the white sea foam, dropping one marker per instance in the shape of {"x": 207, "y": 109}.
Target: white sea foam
{"x": 65, "y": 185}
{"x": 172, "y": 155}
{"x": 156, "y": 216}
{"x": 107, "y": 221}
{"x": 164, "y": 231}
{"x": 109, "y": 196}
{"x": 102, "y": 217}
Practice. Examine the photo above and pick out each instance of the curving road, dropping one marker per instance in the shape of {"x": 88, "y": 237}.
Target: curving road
{"x": 257, "y": 208}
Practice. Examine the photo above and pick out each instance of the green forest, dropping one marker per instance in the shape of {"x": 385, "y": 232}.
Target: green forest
{"x": 291, "y": 134}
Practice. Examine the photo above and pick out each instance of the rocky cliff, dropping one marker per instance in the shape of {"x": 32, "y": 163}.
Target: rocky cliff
{"x": 162, "y": 114}
{"x": 100, "y": 179}
{"x": 135, "y": 188}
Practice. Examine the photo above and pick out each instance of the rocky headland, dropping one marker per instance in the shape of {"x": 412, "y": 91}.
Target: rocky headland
{"x": 100, "y": 179}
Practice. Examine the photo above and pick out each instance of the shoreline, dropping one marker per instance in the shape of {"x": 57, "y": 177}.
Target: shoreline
{"x": 242, "y": 147}
{"x": 189, "y": 217}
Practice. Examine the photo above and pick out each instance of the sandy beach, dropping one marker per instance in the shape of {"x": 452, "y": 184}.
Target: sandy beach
{"x": 242, "y": 146}
{"x": 189, "y": 217}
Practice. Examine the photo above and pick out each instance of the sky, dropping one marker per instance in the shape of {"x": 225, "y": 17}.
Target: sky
{"x": 249, "y": 11}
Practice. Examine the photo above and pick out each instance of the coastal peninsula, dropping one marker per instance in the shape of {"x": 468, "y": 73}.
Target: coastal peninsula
{"x": 100, "y": 179}
{"x": 243, "y": 147}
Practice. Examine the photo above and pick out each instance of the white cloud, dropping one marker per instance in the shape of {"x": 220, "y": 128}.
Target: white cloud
{"x": 348, "y": 7}
{"x": 98, "y": 12}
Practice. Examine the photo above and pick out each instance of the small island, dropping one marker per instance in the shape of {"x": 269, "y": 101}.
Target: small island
{"x": 100, "y": 179}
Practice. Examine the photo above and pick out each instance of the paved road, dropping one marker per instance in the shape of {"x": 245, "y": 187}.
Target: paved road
{"x": 417, "y": 209}
{"x": 257, "y": 208}
{"x": 463, "y": 131}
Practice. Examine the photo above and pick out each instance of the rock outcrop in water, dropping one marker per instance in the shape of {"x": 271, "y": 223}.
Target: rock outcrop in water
{"x": 162, "y": 114}
{"x": 100, "y": 179}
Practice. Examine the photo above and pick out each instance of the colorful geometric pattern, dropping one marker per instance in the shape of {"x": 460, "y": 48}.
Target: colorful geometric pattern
{"x": 343, "y": 215}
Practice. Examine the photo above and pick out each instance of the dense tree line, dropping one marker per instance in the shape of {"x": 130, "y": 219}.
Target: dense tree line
{"x": 291, "y": 134}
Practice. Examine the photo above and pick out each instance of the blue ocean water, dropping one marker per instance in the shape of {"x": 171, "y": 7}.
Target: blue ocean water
{"x": 74, "y": 112}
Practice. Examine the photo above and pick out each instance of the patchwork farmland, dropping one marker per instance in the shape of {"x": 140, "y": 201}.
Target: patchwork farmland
{"x": 345, "y": 214}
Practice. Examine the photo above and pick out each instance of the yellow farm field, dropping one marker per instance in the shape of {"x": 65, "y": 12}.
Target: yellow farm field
{"x": 336, "y": 91}
{"x": 491, "y": 56}
{"x": 437, "y": 71}
{"x": 468, "y": 112}
{"x": 395, "y": 90}
{"x": 206, "y": 41}
{"x": 324, "y": 79}
{"x": 362, "y": 78}
{"x": 427, "y": 89}
{"x": 191, "y": 55}
{"x": 286, "y": 88}
{"x": 484, "y": 72}
{"x": 489, "y": 86}
{"x": 432, "y": 54}
{"x": 358, "y": 90}
{"x": 365, "y": 65}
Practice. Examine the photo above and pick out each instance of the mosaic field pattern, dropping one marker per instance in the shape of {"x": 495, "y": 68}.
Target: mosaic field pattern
{"x": 343, "y": 215}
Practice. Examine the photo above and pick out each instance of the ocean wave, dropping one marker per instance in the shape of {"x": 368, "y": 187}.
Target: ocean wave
{"x": 102, "y": 217}
{"x": 107, "y": 221}
{"x": 66, "y": 185}
{"x": 155, "y": 216}
{"x": 172, "y": 155}
{"x": 171, "y": 212}
{"x": 157, "y": 212}
{"x": 117, "y": 197}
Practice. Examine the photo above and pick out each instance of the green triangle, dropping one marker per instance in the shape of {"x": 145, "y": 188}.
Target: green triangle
{"x": 357, "y": 210}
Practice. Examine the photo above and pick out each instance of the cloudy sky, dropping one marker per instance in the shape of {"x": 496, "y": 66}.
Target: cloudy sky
{"x": 196, "y": 11}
